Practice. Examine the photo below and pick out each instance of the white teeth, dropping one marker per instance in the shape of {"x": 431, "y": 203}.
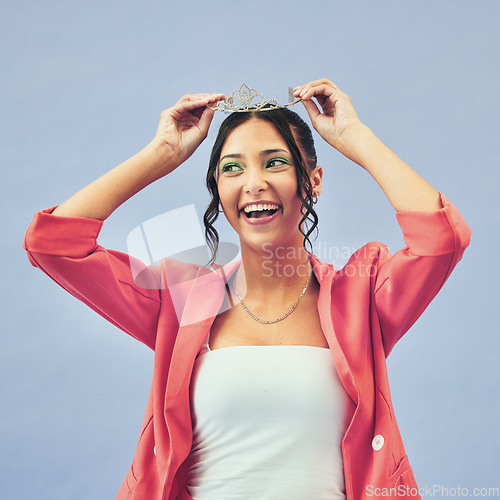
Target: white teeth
{"x": 260, "y": 207}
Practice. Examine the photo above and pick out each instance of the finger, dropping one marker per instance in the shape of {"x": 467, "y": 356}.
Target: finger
{"x": 296, "y": 90}
{"x": 322, "y": 81}
{"x": 317, "y": 90}
{"x": 321, "y": 91}
{"x": 196, "y": 97}
{"x": 215, "y": 98}
{"x": 196, "y": 101}
{"x": 206, "y": 119}
{"x": 312, "y": 110}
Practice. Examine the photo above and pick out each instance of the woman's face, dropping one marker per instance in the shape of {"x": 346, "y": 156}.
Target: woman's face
{"x": 257, "y": 186}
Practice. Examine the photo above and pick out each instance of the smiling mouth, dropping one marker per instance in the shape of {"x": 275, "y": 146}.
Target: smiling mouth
{"x": 258, "y": 211}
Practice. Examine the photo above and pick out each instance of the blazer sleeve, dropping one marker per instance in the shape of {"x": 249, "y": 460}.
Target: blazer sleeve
{"x": 408, "y": 281}
{"x": 66, "y": 249}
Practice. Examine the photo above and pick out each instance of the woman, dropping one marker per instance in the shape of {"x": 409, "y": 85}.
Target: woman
{"x": 266, "y": 384}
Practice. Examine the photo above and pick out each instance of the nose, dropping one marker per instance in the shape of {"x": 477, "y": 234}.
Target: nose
{"x": 255, "y": 181}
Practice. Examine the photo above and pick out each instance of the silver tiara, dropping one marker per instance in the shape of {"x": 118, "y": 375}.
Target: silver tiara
{"x": 249, "y": 99}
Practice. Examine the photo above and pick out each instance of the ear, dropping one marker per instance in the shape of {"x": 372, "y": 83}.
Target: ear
{"x": 316, "y": 176}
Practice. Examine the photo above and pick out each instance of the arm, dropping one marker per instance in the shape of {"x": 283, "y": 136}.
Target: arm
{"x": 408, "y": 281}
{"x": 66, "y": 249}
{"x": 62, "y": 241}
{"x": 181, "y": 130}
{"x": 340, "y": 126}
{"x": 435, "y": 233}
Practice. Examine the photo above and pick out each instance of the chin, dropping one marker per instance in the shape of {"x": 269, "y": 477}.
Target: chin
{"x": 271, "y": 246}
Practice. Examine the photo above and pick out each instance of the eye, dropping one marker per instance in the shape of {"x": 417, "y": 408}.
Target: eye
{"x": 231, "y": 168}
{"x": 277, "y": 162}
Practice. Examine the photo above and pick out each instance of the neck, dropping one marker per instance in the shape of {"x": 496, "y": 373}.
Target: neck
{"x": 277, "y": 272}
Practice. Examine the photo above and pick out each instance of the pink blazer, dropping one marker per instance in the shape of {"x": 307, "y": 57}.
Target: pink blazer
{"x": 364, "y": 309}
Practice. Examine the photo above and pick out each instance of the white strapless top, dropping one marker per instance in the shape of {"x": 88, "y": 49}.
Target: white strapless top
{"x": 268, "y": 423}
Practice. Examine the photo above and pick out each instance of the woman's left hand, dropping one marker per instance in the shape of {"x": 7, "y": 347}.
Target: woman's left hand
{"x": 337, "y": 115}
{"x": 340, "y": 126}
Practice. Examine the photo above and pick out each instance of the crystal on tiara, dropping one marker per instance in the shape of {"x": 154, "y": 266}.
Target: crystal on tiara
{"x": 250, "y": 100}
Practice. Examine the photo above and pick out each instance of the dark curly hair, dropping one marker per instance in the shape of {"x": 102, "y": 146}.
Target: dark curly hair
{"x": 299, "y": 139}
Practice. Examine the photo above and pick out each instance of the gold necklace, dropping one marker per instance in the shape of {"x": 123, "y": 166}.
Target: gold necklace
{"x": 281, "y": 318}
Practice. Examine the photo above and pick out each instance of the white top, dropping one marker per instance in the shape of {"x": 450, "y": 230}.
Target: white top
{"x": 268, "y": 423}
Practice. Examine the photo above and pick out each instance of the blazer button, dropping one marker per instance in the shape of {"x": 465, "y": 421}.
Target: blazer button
{"x": 378, "y": 442}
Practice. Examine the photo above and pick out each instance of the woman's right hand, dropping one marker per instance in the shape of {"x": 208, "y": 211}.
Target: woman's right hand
{"x": 181, "y": 130}
{"x": 184, "y": 126}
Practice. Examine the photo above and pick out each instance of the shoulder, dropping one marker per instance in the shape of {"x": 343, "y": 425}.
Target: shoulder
{"x": 366, "y": 261}
{"x": 166, "y": 273}
{"x": 371, "y": 251}
{"x": 175, "y": 270}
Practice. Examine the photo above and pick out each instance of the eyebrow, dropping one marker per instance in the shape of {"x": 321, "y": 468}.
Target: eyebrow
{"x": 265, "y": 152}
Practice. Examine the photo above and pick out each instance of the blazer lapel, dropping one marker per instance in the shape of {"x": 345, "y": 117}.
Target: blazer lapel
{"x": 324, "y": 274}
{"x": 203, "y": 303}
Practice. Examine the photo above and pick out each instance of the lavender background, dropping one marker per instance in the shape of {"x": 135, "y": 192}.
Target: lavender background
{"x": 82, "y": 87}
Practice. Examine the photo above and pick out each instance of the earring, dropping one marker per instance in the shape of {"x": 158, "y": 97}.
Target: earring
{"x": 314, "y": 199}
{"x": 220, "y": 209}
